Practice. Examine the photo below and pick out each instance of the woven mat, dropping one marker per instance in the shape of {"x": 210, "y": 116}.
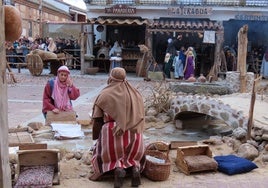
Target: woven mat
{"x": 16, "y": 139}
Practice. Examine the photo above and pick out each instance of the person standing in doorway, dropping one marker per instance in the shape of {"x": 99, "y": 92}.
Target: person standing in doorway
{"x": 169, "y": 57}
{"x": 189, "y": 65}
{"x": 230, "y": 61}
{"x": 178, "y": 66}
{"x": 115, "y": 54}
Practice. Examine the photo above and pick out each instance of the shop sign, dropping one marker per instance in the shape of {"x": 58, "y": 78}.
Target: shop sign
{"x": 251, "y": 17}
{"x": 193, "y": 11}
{"x": 120, "y": 9}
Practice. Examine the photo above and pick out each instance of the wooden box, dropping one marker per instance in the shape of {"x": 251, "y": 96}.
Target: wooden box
{"x": 195, "y": 159}
{"x": 38, "y": 157}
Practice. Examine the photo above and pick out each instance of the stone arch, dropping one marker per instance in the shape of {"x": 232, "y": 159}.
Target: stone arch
{"x": 209, "y": 106}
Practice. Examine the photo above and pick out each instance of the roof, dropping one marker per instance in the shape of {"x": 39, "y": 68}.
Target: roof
{"x": 182, "y": 24}
{"x": 161, "y": 24}
{"x": 120, "y": 21}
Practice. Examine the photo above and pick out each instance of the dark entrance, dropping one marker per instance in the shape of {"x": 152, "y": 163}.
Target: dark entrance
{"x": 191, "y": 33}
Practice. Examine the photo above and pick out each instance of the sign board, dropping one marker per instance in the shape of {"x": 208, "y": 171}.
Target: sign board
{"x": 251, "y": 17}
{"x": 120, "y": 9}
{"x": 193, "y": 11}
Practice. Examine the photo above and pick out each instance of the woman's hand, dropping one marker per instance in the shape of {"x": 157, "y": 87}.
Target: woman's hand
{"x": 69, "y": 82}
{"x": 56, "y": 111}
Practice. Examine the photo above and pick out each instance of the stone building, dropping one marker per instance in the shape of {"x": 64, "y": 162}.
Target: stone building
{"x": 37, "y": 14}
{"x": 208, "y": 25}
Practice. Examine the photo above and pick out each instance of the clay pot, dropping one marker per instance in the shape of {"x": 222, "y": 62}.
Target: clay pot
{"x": 13, "y": 23}
{"x": 202, "y": 78}
{"x": 191, "y": 78}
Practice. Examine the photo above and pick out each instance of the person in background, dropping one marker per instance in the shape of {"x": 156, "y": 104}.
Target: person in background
{"x": 178, "y": 66}
{"x": 51, "y": 45}
{"x": 230, "y": 61}
{"x": 59, "y": 92}
{"x": 189, "y": 65}
{"x": 264, "y": 65}
{"x": 115, "y": 54}
{"x": 118, "y": 125}
{"x": 170, "y": 54}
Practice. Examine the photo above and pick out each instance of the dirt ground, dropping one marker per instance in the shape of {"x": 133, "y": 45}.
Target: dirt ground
{"x": 24, "y": 106}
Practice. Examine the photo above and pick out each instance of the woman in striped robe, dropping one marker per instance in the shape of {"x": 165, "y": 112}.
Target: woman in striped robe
{"x": 118, "y": 123}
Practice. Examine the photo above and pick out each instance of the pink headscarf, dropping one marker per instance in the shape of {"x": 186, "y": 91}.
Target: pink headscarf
{"x": 60, "y": 92}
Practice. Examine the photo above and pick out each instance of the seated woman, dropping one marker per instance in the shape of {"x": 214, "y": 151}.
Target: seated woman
{"x": 118, "y": 123}
{"x": 59, "y": 92}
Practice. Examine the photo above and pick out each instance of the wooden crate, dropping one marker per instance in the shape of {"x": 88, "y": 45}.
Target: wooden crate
{"x": 176, "y": 144}
{"x": 60, "y": 117}
{"x": 195, "y": 159}
{"x": 19, "y": 138}
{"x": 36, "y": 157}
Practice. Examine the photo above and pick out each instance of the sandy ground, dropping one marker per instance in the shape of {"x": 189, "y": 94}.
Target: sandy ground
{"x": 24, "y": 104}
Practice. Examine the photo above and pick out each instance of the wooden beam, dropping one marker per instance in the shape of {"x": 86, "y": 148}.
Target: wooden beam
{"x": 242, "y": 56}
{"x": 5, "y": 174}
{"x": 252, "y": 105}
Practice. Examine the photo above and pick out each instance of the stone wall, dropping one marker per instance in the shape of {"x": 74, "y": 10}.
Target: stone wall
{"x": 233, "y": 81}
{"x": 209, "y": 106}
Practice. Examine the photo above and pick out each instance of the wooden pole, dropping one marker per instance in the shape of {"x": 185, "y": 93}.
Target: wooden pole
{"x": 5, "y": 175}
{"x": 82, "y": 56}
{"x": 251, "y": 108}
{"x": 242, "y": 56}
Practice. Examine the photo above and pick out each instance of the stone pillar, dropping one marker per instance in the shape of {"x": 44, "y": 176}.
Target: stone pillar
{"x": 233, "y": 81}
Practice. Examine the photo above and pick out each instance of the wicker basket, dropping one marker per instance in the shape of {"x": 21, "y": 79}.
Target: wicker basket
{"x": 157, "y": 171}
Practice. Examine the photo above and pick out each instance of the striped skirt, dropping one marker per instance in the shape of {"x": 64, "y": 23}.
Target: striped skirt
{"x": 117, "y": 151}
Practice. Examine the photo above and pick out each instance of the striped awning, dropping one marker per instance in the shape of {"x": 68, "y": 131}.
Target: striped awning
{"x": 118, "y": 21}
{"x": 180, "y": 24}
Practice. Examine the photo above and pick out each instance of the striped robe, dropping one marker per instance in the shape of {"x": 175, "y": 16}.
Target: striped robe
{"x": 117, "y": 151}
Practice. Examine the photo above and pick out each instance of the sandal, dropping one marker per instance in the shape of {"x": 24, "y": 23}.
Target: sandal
{"x": 119, "y": 174}
{"x": 136, "y": 177}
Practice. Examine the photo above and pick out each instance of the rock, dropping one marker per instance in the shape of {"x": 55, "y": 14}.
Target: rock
{"x": 86, "y": 158}
{"x": 178, "y": 124}
{"x": 247, "y": 151}
{"x": 266, "y": 147}
{"x": 77, "y": 155}
{"x": 151, "y": 112}
{"x": 35, "y": 125}
{"x": 239, "y": 133}
{"x": 265, "y": 158}
{"x": 150, "y": 119}
{"x": 165, "y": 118}
{"x": 69, "y": 156}
{"x": 265, "y": 137}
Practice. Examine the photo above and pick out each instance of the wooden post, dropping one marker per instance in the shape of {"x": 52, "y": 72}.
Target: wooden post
{"x": 213, "y": 73}
{"x": 5, "y": 175}
{"x": 82, "y": 56}
{"x": 251, "y": 108}
{"x": 242, "y": 56}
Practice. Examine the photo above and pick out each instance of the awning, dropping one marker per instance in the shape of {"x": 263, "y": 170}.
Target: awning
{"x": 180, "y": 24}
{"x": 118, "y": 21}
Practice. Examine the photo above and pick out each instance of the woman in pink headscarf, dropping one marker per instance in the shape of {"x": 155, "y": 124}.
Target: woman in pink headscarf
{"x": 59, "y": 92}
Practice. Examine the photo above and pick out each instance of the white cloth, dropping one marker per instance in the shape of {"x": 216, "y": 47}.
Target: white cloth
{"x": 67, "y": 130}
{"x": 209, "y": 37}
